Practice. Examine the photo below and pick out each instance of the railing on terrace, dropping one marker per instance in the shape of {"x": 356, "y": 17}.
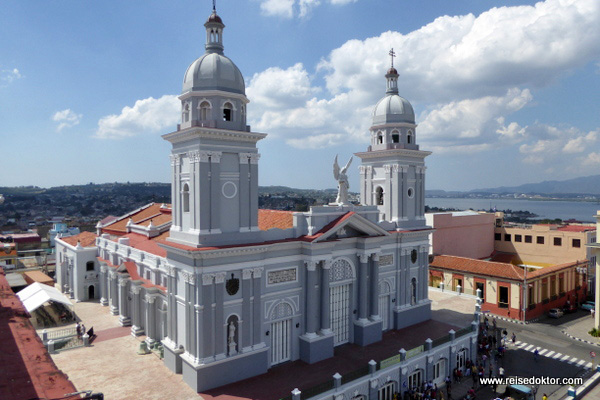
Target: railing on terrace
{"x": 388, "y": 362}
{"x": 59, "y": 333}
{"x": 359, "y": 373}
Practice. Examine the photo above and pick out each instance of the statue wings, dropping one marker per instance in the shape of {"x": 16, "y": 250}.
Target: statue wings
{"x": 336, "y": 168}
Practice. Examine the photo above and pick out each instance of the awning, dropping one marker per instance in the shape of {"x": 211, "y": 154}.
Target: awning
{"x": 36, "y": 294}
{"x": 433, "y": 272}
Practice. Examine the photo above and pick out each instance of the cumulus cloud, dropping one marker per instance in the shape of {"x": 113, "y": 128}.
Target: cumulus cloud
{"x": 8, "y": 76}
{"x": 66, "y": 119}
{"x": 469, "y": 124}
{"x": 549, "y": 144}
{"x": 146, "y": 116}
{"x": 295, "y": 8}
{"x": 468, "y": 73}
{"x": 276, "y": 88}
{"x": 472, "y": 56}
{"x": 592, "y": 159}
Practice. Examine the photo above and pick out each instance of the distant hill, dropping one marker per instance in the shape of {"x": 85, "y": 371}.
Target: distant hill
{"x": 583, "y": 185}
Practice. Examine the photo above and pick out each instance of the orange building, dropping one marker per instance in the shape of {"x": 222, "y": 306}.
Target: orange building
{"x": 508, "y": 290}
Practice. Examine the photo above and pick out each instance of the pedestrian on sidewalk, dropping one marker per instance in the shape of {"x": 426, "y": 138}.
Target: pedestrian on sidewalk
{"x": 514, "y": 338}
{"x": 536, "y": 354}
{"x": 544, "y": 397}
{"x": 491, "y": 370}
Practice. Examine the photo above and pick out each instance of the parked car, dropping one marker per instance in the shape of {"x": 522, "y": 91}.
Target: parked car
{"x": 555, "y": 313}
{"x": 588, "y": 305}
{"x": 569, "y": 308}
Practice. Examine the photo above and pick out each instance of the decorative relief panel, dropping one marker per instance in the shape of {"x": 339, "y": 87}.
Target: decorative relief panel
{"x": 386, "y": 259}
{"x": 282, "y": 276}
{"x": 341, "y": 270}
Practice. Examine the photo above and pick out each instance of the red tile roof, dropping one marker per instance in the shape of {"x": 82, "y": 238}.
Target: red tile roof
{"x": 141, "y": 242}
{"x": 496, "y": 269}
{"x": 132, "y": 271}
{"x": 478, "y": 267}
{"x": 145, "y": 213}
{"x": 86, "y": 239}
{"x": 269, "y": 219}
{"x": 576, "y": 228}
{"x": 26, "y": 368}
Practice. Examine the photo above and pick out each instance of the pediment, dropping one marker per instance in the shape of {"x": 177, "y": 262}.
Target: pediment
{"x": 348, "y": 226}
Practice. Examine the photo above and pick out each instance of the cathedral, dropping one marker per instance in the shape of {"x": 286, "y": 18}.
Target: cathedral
{"x": 230, "y": 290}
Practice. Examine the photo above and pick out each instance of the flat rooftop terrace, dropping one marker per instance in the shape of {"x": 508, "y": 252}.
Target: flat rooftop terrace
{"x": 120, "y": 373}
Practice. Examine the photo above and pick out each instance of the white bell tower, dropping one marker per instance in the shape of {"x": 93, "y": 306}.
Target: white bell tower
{"x": 214, "y": 158}
{"x": 392, "y": 173}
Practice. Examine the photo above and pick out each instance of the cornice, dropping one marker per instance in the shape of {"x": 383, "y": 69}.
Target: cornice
{"x": 197, "y": 132}
{"x": 392, "y": 152}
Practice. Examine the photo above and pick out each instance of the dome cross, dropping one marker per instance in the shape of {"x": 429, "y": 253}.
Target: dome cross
{"x": 392, "y": 55}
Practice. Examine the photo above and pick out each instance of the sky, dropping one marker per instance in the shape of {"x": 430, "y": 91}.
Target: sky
{"x": 504, "y": 92}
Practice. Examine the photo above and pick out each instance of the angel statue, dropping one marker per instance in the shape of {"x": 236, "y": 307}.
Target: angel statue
{"x": 342, "y": 178}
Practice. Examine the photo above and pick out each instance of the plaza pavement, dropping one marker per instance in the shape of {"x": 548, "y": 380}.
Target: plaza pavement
{"x": 112, "y": 366}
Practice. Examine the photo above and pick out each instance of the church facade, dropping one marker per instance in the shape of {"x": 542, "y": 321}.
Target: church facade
{"x": 228, "y": 294}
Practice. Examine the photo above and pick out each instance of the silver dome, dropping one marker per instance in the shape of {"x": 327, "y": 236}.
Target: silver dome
{"x": 214, "y": 71}
{"x": 393, "y": 108}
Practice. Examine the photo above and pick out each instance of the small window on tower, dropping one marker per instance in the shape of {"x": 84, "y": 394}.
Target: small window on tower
{"x": 204, "y": 110}
{"x": 395, "y": 137}
{"x": 409, "y": 137}
{"x": 379, "y": 195}
{"x": 186, "y": 198}
{"x": 379, "y": 138}
{"x": 227, "y": 112}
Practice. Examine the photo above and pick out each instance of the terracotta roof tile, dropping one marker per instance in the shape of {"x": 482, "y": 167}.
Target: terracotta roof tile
{"x": 26, "y": 368}
{"x": 478, "y": 267}
{"x": 269, "y": 219}
{"x": 86, "y": 239}
{"x": 576, "y": 228}
{"x": 119, "y": 226}
{"x": 141, "y": 242}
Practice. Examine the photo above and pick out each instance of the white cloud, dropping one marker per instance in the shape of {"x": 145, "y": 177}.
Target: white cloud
{"x": 549, "y": 144}
{"x": 592, "y": 159}
{"x": 66, "y": 119}
{"x": 275, "y": 88}
{"x": 295, "y": 8}
{"x": 317, "y": 141}
{"x": 468, "y": 124}
{"x": 469, "y": 57}
{"x": 278, "y": 8}
{"x": 8, "y": 76}
{"x": 146, "y": 116}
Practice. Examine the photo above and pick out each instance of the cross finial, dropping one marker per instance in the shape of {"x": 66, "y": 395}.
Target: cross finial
{"x": 392, "y": 55}
{"x": 214, "y": 5}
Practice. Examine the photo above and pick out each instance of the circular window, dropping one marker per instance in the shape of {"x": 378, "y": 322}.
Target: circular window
{"x": 413, "y": 256}
{"x": 411, "y": 192}
{"x": 229, "y": 190}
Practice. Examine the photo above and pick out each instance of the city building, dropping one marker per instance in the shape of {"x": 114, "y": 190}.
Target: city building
{"x": 461, "y": 233}
{"x": 543, "y": 245}
{"x": 508, "y": 290}
{"x": 61, "y": 229}
{"x": 594, "y": 247}
{"x": 230, "y": 290}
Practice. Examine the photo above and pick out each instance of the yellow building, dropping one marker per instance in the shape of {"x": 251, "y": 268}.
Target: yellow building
{"x": 544, "y": 245}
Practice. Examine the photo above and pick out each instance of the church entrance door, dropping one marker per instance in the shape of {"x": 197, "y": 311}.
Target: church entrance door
{"x": 280, "y": 341}
{"x": 384, "y": 311}
{"x": 339, "y": 300}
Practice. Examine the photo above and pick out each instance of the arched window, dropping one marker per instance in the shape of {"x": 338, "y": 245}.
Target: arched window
{"x": 413, "y": 291}
{"x": 379, "y": 138}
{"x": 186, "y": 198}
{"x": 204, "y": 110}
{"x": 227, "y": 112}
{"x": 379, "y": 196}
{"x": 409, "y": 138}
{"x": 395, "y": 137}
